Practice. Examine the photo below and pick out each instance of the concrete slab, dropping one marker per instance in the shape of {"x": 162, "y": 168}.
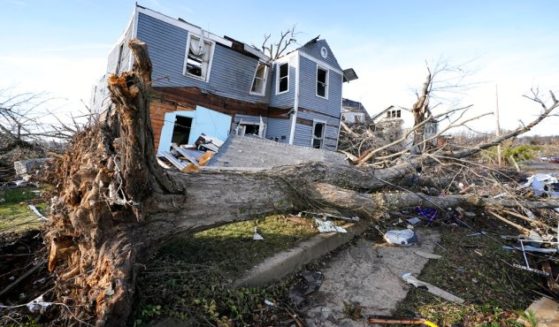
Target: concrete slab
{"x": 546, "y": 312}
{"x": 368, "y": 274}
{"x": 287, "y": 262}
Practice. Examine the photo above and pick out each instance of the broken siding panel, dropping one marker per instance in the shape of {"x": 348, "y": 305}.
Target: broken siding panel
{"x": 313, "y": 50}
{"x": 278, "y": 129}
{"x": 230, "y": 75}
{"x": 309, "y": 99}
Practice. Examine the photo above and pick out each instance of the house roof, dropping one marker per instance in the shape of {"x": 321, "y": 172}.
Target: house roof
{"x": 236, "y": 45}
{"x": 353, "y": 106}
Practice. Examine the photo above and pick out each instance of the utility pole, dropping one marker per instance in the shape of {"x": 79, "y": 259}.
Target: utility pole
{"x": 498, "y": 130}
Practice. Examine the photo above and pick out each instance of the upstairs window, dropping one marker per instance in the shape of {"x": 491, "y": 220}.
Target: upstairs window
{"x": 283, "y": 78}
{"x": 259, "y": 82}
{"x": 322, "y": 82}
{"x": 396, "y": 113}
{"x": 318, "y": 134}
{"x": 198, "y": 57}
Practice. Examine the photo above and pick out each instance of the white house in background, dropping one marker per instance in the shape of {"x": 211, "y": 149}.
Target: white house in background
{"x": 398, "y": 116}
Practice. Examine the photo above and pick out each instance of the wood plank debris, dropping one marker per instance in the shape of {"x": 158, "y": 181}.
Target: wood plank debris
{"x": 408, "y": 278}
{"x": 37, "y": 213}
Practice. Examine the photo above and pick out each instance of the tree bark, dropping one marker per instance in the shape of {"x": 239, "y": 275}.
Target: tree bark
{"x": 115, "y": 203}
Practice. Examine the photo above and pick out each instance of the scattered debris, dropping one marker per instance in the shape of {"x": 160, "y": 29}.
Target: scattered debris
{"x": 309, "y": 282}
{"x": 408, "y": 278}
{"x": 28, "y": 168}
{"x": 38, "y": 305}
{"x": 427, "y": 255}
{"x": 394, "y": 321}
{"x": 36, "y": 212}
{"x": 210, "y": 143}
{"x": 256, "y": 236}
{"x": 543, "y": 184}
{"x": 414, "y": 220}
{"x": 327, "y": 226}
{"x": 529, "y": 248}
{"x": 404, "y": 237}
{"x": 325, "y": 215}
{"x": 429, "y": 213}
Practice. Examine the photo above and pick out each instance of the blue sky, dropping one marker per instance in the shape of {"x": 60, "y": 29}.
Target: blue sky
{"x": 60, "y": 47}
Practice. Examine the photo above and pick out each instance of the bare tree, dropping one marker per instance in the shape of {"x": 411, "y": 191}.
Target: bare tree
{"x": 275, "y": 50}
{"x": 27, "y": 117}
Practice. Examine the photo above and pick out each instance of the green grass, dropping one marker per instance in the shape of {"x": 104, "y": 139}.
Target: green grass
{"x": 476, "y": 269}
{"x": 190, "y": 277}
{"x": 15, "y": 215}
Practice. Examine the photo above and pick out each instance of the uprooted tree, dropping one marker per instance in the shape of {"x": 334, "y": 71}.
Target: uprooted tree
{"x": 115, "y": 203}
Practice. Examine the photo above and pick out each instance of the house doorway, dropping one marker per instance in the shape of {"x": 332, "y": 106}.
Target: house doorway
{"x": 181, "y": 130}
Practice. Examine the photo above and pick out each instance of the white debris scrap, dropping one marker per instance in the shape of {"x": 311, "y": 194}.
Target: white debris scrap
{"x": 408, "y": 278}
{"x": 38, "y": 305}
{"x": 543, "y": 184}
{"x": 327, "y": 226}
{"x": 404, "y": 237}
{"x": 256, "y": 236}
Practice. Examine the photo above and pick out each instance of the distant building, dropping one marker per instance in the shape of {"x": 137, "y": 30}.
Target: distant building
{"x": 399, "y": 121}
{"x": 354, "y": 112}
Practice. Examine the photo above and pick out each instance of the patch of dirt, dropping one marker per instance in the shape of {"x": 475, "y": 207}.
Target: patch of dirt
{"x": 23, "y": 270}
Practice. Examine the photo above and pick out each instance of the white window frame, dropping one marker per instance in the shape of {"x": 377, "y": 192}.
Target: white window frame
{"x": 264, "y": 79}
{"x": 314, "y": 122}
{"x": 327, "y": 86}
{"x": 278, "y": 77}
{"x": 210, "y": 61}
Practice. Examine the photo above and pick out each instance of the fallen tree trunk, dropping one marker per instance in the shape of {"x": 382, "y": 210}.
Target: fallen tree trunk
{"x": 115, "y": 203}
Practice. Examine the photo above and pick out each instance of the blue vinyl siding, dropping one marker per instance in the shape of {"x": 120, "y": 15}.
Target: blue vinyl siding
{"x": 307, "y": 92}
{"x": 284, "y": 100}
{"x": 303, "y": 135}
{"x": 313, "y": 50}
{"x": 231, "y": 72}
{"x": 277, "y": 128}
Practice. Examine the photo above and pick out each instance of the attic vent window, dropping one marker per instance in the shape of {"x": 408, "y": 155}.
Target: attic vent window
{"x": 324, "y": 52}
{"x": 259, "y": 82}
{"x": 322, "y": 82}
{"x": 282, "y": 78}
{"x": 198, "y": 58}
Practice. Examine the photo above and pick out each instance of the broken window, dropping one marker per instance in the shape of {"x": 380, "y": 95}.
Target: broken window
{"x": 318, "y": 134}
{"x": 322, "y": 82}
{"x": 181, "y": 130}
{"x": 259, "y": 82}
{"x": 251, "y": 128}
{"x": 118, "y": 63}
{"x": 283, "y": 78}
{"x": 198, "y": 57}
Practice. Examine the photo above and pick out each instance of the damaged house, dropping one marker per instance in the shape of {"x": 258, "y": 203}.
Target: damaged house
{"x": 207, "y": 84}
